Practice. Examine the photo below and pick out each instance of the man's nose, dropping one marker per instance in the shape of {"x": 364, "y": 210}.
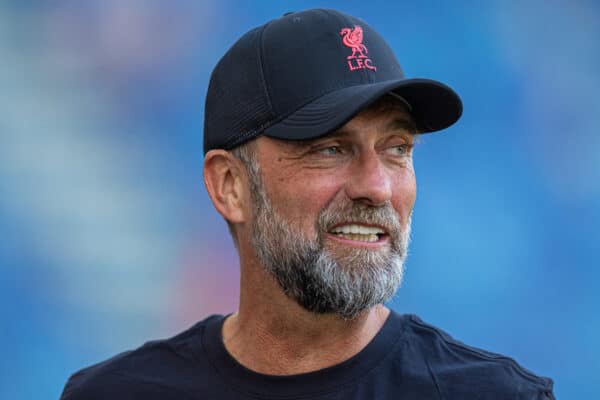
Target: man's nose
{"x": 369, "y": 181}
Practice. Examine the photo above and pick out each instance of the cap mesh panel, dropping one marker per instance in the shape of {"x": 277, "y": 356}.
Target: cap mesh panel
{"x": 236, "y": 103}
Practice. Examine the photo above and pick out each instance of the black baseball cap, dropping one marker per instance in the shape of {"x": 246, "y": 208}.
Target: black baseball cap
{"x": 305, "y": 74}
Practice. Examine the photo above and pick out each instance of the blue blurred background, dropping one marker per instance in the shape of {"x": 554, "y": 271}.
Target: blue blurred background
{"x": 107, "y": 237}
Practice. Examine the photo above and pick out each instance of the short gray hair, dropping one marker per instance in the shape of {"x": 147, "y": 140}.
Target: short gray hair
{"x": 246, "y": 153}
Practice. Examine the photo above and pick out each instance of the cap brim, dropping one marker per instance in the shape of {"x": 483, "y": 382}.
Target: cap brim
{"x": 434, "y": 106}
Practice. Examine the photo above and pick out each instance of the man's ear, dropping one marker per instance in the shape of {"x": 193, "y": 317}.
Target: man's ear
{"x": 224, "y": 179}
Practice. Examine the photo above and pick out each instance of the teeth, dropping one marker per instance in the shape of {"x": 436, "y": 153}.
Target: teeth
{"x": 357, "y": 229}
{"x": 358, "y": 237}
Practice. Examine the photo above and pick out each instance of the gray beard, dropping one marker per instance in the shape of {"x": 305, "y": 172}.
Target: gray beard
{"x": 317, "y": 280}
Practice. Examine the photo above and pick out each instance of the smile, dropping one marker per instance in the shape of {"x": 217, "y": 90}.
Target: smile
{"x": 359, "y": 233}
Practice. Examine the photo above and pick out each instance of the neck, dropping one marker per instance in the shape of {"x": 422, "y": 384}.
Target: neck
{"x": 272, "y": 334}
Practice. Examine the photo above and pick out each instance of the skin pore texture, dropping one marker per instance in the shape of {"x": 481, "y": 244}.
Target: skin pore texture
{"x": 311, "y": 196}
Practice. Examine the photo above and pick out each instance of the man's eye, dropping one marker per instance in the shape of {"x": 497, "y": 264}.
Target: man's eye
{"x": 330, "y": 151}
{"x": 400, "y": 150}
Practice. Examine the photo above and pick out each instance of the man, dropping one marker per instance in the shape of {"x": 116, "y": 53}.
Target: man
{"x": 309, "y": 131}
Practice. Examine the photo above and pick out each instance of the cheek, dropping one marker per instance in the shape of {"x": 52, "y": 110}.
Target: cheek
{"x": 311, "y": 199}
{"x": 301, "y": 200}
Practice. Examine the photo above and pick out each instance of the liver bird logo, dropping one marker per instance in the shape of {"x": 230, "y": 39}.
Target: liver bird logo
{"x": 353, "y": 38}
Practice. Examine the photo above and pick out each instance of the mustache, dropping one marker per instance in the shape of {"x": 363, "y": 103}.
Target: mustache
{"x": 338, "y": 213}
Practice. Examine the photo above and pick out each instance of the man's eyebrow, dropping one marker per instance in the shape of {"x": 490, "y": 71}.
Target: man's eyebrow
{"x": 337, "y": 134}
{"x": 396, "y": 124}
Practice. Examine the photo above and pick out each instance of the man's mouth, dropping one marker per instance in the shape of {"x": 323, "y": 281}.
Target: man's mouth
{"x": 359, "y": 233}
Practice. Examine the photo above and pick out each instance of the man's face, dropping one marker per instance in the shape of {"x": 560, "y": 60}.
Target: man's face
{"x": 331, "y": 216}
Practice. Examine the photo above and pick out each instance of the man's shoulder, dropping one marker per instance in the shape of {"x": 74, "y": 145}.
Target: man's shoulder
{"x": 454, "y": 366}
{"x": 151, "y": 371}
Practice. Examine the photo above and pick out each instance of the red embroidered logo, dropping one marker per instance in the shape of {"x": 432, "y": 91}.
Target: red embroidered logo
{"x": 358, "y": 59}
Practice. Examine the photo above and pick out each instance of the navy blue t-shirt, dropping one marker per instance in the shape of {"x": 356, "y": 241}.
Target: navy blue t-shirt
{"x": 407, "y": 359}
